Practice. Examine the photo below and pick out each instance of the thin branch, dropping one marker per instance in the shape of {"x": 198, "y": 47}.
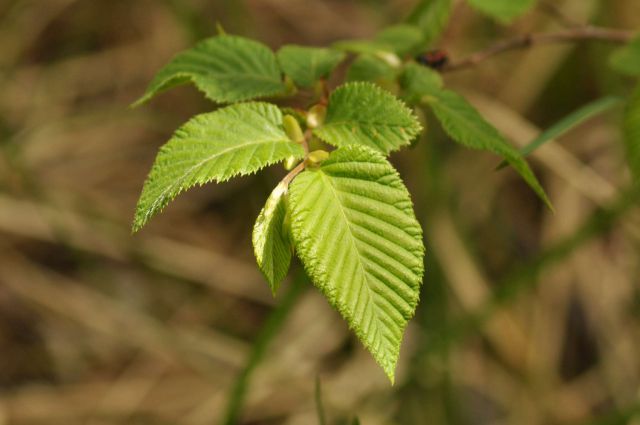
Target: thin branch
{"x": 292, "y": 174}
{"x": 529, "y": 40}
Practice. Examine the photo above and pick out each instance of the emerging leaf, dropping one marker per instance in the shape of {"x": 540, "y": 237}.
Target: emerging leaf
{"x": 631, "y": 127}
{"x": 432, "y": 17}
{"x": 626, "y": 60}
{"x": 364, "y": 114}
{"x": 367, "y": 67}
{"x": 271, "y": 243}
{"x": 354, "y": 229}
{"x": 238, "y": 139}
{"x": 466, "y": 126}
{"x": 502, "y": 10}
{"x": 306, "y": 65}
{"x": 373, "y": 47}
{"x": 380, "y": 49}
{"x": 225, "y": 68}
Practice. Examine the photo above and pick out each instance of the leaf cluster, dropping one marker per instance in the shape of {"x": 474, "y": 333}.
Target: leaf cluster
{"x": 343, "y": 209}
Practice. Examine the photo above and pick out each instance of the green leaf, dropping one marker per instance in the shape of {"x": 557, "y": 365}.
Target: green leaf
{"x": 502, "y": 10}
{"x": 354, "y": 229}
{"x": 404, "y": 39}
{"x": 373, "y": 47}
{"x": 236, "y": 140}
{"x": 432, "y": 16}
{"x": 399, "y": 39}
{"x": 363, "y": 113}
{"x": 569, "y": 122}
{"x": 631, "y": 128}
{"x": 225, "y": 68}
{"x": 381, "y": 49}
{"x": 306, "y": 65}
{"x": 271, "y": 243}
{"x": 418, "y": 81}
{"x": 466, "y": 126}
{"x": 367, "y": 67}
{"x": 626, "y": 60}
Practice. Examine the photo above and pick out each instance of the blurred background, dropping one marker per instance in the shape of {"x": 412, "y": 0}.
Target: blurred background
{"x": 526, "y": 316}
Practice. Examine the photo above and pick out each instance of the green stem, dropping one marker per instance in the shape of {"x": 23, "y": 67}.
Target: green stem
{"x": 268, "y": 332}
{"x": 319, "y": 406}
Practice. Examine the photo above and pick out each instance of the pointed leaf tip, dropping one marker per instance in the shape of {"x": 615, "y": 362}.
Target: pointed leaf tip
{"x": 226, "y": 68}
{"x": 205, "y": 150}
{"x": 353, "y": 226}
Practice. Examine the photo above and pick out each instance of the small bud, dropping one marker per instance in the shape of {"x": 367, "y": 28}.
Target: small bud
{"x": 292, "y": 128}
{"x": 315, "y": 158}
{"x": 316, "y": 115}
{"x": 390, "y": 58}
{"x": 290, "y": 162}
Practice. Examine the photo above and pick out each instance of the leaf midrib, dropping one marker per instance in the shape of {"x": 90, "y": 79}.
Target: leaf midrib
{"x": 354, "y": 245}
{"x": 224, "y": 76}
{"x": 201, "y": 163}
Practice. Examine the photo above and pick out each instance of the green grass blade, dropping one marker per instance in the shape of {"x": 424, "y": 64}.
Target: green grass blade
{"x": 568, "y": 123}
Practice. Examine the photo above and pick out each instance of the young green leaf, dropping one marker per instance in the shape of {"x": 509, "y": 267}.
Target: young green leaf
{"x": 238, "y": 139}
{"x": 380, "y": 49}
{"x": 466, "y": 126}
{"x": 432, "y": 16}
{"x": 631, "y": 127}
{"x": 626, "y": 60}
{"x": 502, "y": 10}
{"x": 404, "y": 39}
{"x": 354, "y": 229}
{"x": 363, "y": 113}
{"x": 271, "y": 242}
{"x": 225, "y": 68}
{"x": 367, "y": 67}
{"x": 306, "y": 65}
{"x": 373, "y": 47}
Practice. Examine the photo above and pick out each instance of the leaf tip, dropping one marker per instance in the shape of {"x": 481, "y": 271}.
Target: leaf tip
{"x": 391, "y": 375}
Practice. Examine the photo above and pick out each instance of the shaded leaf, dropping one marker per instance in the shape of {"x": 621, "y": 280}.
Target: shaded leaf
{"x": 235, "y": 140}
{"x": 225, "y": 68}
{"x": 354, "y": 229}
{"x": 502, "y": 10}
{"x": 367, "y": 67}
{"x": 271, "y": 243}
{"x": 363, "y": 113}
{"x": 403, "y": 39}
{"x": 380, "y": 49}
{"x": 432, "y": 16}
{"x": 306, "y": 65}
{"x": 626, "y": 60}
{"x": 465, "y": 125}
{"x": 418, "y": 81}
{"x": 373, "y": 47}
